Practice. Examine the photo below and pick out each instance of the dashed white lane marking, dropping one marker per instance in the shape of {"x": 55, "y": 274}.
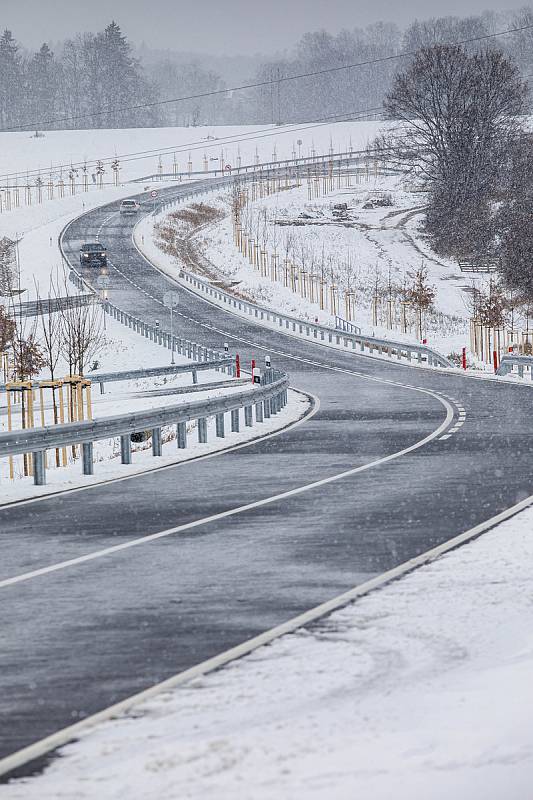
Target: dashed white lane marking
{"x": 457, "y": 425}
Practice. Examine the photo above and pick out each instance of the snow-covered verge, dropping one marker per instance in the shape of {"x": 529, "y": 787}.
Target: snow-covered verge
{"x": 355, "y": 250}
{"x": 419, "y": 690}
{"x": 360, "y": 250}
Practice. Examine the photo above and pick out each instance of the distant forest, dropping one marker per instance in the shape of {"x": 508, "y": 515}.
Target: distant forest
{"x": 100, "y": 80}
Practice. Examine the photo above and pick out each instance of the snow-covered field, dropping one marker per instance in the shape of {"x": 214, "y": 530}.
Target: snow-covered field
{"x": 22, "y": 152}
{"x": 419, "y": 690}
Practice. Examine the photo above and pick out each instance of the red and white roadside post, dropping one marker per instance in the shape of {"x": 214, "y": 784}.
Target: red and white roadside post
{"x": 495, "y": 360}
{"x": 237, "y": 366}
{"x": 464, "y": 357}
{"x": 253, "y": 368}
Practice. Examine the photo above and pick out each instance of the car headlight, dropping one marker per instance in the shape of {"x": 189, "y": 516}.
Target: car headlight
{"x": 102, "y": 254}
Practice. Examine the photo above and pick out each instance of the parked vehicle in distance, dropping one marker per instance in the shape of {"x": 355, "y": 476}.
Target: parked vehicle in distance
{"x": 129, "y": 207}
{"x": 93, "y": 254}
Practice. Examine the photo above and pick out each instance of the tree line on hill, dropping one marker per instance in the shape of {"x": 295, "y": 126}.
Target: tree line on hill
{"x": 95, "y": 80}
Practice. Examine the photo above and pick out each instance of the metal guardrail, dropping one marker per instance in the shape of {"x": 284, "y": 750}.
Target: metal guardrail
{"x": 342, "y": 324}
{"x": 32, "y": 308}
{"x": 153, "y": 372}
{"x": 321, "y": 162}
{"x": 223, "y": 364}
{"x": 522, "y": 363}
{"x": 267, "y": 398}
{"x": 319, "y": 333}
{"x": 184, "y": 347}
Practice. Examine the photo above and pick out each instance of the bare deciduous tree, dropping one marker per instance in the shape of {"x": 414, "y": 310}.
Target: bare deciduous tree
{"x": 459, "y": 116}
{"x": 81, "y": 331}
{"x": 420, "y": 295}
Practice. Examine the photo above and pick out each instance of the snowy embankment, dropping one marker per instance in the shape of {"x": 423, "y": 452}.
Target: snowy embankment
{"x": 419, "y": 690}
{"x": 379, "y": 245}
{"x": 366, "y": 249}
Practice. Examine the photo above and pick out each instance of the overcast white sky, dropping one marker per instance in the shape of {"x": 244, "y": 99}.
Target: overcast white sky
{"x": 219, "y": 26}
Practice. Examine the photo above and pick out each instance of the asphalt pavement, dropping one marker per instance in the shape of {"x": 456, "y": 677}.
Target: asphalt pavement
{"x": 79, "y": 639}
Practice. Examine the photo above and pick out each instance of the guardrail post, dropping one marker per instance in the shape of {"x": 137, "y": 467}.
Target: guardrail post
{"x": 266, "y": 408}
{"x": 220, "y": 425}
{"x": 202, "y": 430}
{"x": 87, "y": 458}
{"x": 259, "y": 412}
{"x": 194, "y": 376}
{"x": 39, "y": 468}
{"x": 157, "y": 448}
{"x": 248, "y": 416}
{"x": 235, "y": 420}
{"x": 181, "y": 435}
{"x": 125, "y": 448}
{"x": 102, "y": 388}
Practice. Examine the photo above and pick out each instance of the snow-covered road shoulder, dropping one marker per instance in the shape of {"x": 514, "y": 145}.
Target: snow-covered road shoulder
{"x": 424, "y": 685}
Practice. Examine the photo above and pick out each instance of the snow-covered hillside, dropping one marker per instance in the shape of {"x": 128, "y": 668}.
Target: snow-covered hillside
{"x": 22, "y": 152}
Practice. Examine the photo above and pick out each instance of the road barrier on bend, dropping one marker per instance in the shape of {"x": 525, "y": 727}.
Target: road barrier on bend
{"x": 345, "y": 335}
{"x": 403, "y": 351}
{"x": 184, "y": 347}
{"x": 522, "y": 364}
{"x": 267, "y": 398}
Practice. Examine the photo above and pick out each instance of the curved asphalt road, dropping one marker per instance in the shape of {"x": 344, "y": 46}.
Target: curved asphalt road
{"x": 79, "y": 639}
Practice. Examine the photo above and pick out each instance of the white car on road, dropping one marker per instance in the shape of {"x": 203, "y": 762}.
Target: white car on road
{"x": 129, "y": 207}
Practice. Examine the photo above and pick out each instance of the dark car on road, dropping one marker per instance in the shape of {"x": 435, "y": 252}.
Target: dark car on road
{"x": 93, "y": 255}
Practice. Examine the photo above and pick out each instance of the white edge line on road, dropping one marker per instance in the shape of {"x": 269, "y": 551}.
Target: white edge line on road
{"x": 107, "y": 551}
{"x": 66, "y": 735}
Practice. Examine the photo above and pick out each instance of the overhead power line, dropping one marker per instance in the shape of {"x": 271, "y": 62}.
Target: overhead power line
{"x": 281, "y": 79}
{"x": 201, "y": 144}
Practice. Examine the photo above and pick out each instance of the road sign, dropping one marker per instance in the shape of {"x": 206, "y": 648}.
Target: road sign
{"x": 228, "y": 167}
{"x": 103, "y": 281}
{"x": 153, "y": 193}
{"x": 171, "y": 299}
